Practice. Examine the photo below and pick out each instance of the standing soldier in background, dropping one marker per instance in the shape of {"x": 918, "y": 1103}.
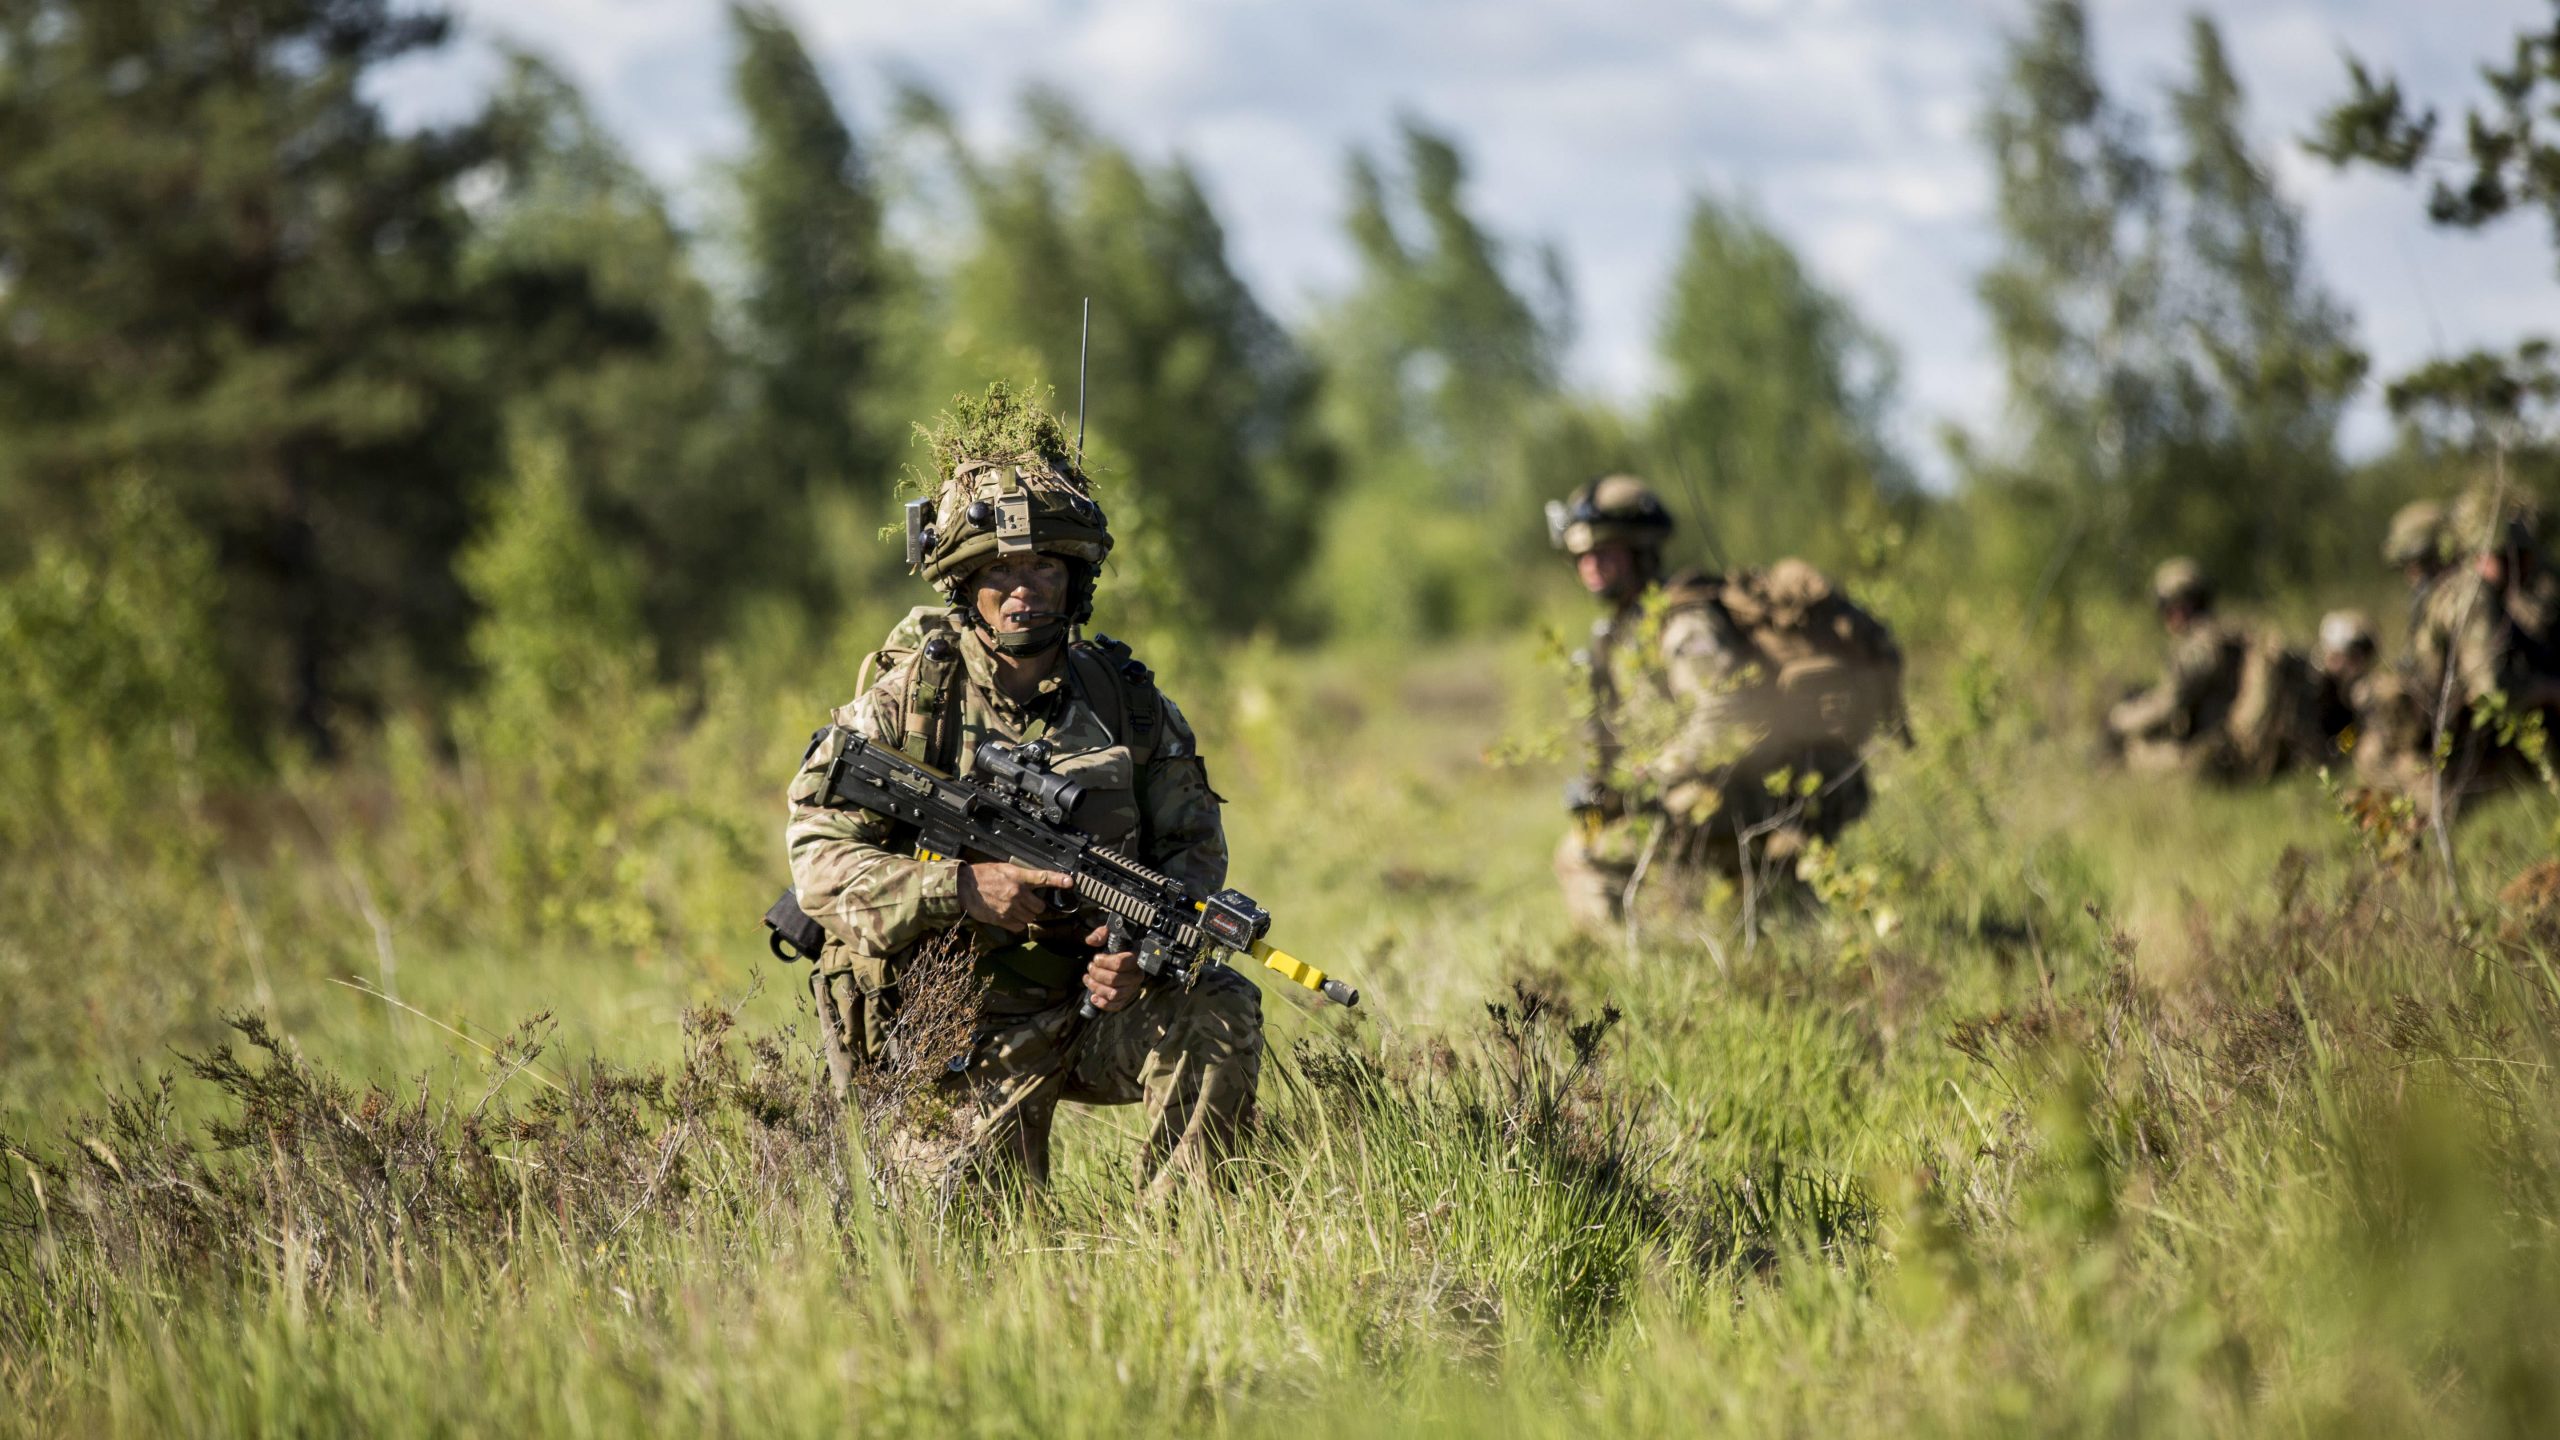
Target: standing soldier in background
{"x": 2394, "y": 734}
{"x": 2484, "y": 647}
{"x": 2416, "y": 547}
{"x": 1725, "y": 715}
{"x": 2349, "y": 674}
{"x": 1015, "y": 543}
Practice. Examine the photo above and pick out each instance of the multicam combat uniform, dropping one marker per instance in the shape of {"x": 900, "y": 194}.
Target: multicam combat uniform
{"x": 1738, "y": 704}
{"x": 1191, "y": 1056}
{"x": 2474, "y": 639}
{"x": 2182, "y": 723}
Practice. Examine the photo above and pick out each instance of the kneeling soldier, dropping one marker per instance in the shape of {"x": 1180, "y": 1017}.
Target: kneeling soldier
{"x": 1015, "y": 542}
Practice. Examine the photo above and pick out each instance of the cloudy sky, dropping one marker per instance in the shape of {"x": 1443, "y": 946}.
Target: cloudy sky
{"x": 1847, "y": 122}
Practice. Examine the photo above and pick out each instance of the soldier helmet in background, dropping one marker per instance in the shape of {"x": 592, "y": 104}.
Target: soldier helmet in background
{"x": 2416, "y": 536}
{"x": 1612, "y": 510}
{"x": 1025, "y": 505}
{"x": 2347, "y": 632}
{"x": 2180, "y": 581}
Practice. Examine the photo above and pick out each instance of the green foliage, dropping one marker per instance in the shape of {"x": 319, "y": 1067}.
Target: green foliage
{"x": 1776, "y": 398}
{"x": 1435, "y": 354}
{"x": 2077, "y": 311}
{"x": 565, "y": 712}
{"x": 1198, "y": 400}
{"x": 2510, "y": 163}
{"x": 2176, "y": 372}
{"x": 998, "y": 425}
{"x": 2277, "y": 362}
{"x": 657, "y": 431}
{"x": 115, "y": 717}
{"x": 1440, "y": 391}
{"x": 2512, "y": 159}
{"x": 2480, "y": 402}
{"x": 222, "y": 266}
{"x": 2043, "y": 1127}
{"x": 818, "y": 279}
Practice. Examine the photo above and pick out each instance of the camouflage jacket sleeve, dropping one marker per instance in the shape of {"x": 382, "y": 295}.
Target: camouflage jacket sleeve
{"x": 1710, "y": 676}
{"x": 1189, "y": 840}
{"x": 2460, "y": 630}
{"x": 2168, "y": 708}
{"x": 873, "y": 898}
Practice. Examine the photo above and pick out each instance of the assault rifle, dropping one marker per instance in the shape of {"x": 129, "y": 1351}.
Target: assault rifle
{"x": 1012, "y": 806}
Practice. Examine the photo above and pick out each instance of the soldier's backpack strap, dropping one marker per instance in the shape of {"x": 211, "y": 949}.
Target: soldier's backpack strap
{"x": 1132, "y": 709}
{"x": 921, "y": 658}
{"x": 933, "y": 696}
{"x": 1691, "y": 590}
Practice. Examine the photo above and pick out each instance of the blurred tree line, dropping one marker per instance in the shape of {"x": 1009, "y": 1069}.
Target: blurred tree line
{"x": 315, "y": 364}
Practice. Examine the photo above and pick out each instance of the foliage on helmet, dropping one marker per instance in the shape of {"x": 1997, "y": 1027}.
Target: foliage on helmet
{"x": 2494, "y": 517}
{"x": 2417, "y": 535}
{"x": 1006, "y": 484}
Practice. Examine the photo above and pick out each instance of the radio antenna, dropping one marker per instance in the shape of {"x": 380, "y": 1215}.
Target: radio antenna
{"x": 1083, "y": 342}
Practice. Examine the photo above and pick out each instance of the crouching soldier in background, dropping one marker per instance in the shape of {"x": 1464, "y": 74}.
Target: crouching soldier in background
{"x": 2348, "y": 672}
{"x": 2230, "y": 706}
{"x": 1726, "y": 715}
{"x": 1015, "y": 543}
{"x": 2367, "y": 710}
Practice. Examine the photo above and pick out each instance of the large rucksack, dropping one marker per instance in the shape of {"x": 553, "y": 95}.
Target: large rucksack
{"x": 2274, "y": 720}
{"x": 1830, "y": 668}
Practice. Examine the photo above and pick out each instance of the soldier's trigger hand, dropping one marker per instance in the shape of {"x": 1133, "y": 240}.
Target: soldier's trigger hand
{"x": 1113, "y": 980}
{"x": 1008, "y": 896}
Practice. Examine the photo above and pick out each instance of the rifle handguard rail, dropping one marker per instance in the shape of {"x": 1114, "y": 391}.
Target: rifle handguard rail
{"x": 1014, "y": 808}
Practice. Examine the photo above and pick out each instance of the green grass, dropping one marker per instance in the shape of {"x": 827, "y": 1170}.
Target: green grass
{"x": 2091, "y": 1104}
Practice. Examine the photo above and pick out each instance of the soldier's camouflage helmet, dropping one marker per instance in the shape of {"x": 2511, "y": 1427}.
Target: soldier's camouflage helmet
{"x": 2416, "y": 536}
{"x": 1028, "y": 504}
{"x": 2490, "y": 518}
{"x": 1612, "y": 510}
{"x": 2180, "y": 581}
{"x": 2346, "y": 631}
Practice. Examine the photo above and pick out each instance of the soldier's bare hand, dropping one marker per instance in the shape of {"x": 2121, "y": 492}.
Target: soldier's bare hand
{"x": 1113, "y": 979}
{"x": 1008, "y": 896}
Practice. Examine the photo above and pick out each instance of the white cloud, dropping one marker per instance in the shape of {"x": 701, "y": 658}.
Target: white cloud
{"x": 1850, "y": 123}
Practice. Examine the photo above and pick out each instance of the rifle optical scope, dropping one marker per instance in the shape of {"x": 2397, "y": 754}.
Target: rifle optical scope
{"x": 1024, "y": 770}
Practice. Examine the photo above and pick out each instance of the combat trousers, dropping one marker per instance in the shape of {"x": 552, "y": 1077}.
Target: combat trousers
{"x": 1594, "y": 884}
{"x": 1192, "y": 1057}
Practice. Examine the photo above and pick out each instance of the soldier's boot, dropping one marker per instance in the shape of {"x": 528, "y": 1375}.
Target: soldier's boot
{"x": 1594, "y": 892}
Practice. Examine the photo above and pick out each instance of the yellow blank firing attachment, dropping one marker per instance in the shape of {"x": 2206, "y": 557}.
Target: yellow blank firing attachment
{"x": 1293, "y": 968}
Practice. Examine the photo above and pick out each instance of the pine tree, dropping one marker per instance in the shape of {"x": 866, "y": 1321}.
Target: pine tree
{"x": 222, "y": 265}
{"x": 2275, "y": 349}
{"x": 1775, "y": 398}
{"x": 1437, "y": 356}
{"x": 2077, "y": 311}
{"x": 815, "y": 272}
{"x": 1200, "y": 404}
{"x": 657, "y": 434}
